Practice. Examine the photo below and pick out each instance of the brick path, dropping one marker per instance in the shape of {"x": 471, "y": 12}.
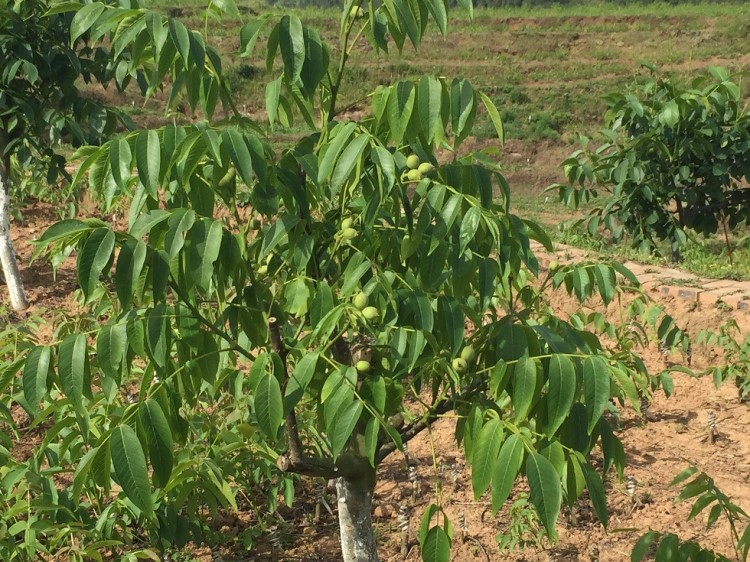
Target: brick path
{"x": 664, "y": 280}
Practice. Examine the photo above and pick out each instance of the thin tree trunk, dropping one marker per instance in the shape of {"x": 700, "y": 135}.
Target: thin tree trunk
{"x": 7, "y": 253}
{"x": 355, "y": 522}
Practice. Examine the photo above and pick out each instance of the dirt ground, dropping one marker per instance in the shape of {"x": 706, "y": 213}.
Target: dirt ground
{"x": 675, "y": 434}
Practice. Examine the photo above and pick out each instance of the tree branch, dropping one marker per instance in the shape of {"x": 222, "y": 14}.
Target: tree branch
{"x": 290, "y": 423}
{"x": 442, "y": 407}
{"x": 233, "y": 345}
{"x": 346, "y": 466}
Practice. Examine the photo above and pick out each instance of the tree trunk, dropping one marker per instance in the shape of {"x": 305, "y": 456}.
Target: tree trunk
{"x": 355, "y": 522}
{"x": 7, "y": 253}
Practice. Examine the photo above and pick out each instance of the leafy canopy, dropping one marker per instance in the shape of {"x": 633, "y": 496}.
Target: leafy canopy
{"x": 233, "y": 312}
{"x": 672, "y": 160}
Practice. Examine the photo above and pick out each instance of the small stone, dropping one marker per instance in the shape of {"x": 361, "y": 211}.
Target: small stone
{"x": 381, "y": 512}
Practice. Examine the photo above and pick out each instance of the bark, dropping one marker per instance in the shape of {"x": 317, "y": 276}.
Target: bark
{"x": 358, "y": 542}
{"x": 7, "y": 253}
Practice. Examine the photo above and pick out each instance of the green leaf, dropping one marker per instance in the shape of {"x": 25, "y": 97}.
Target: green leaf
{"x": 292, "y": 45}
{"x": 68, "y": 230}
{"x": 596, "y": 388}
{"x": 562, "y": 388}
{"x": 273, "y": 91}
{"x": 409, "y": 19}
{"x": 581, "y": 282}
{"x": 316, "y": 63}
{"x": 158, "y": 334}
{"x": 110, "y": 349}
{"x": 701, "y": 503}
{"x": 145, "y": 222}
{"x": 670, "y": 114}
{"x": 350, "y": 157}
{"x": 684, "y": 475}
{"x": 484, "y": 456}
{"x": 469, "y": 226}
{"x": 120, "y": 158}
{"x": 546, "y": 495}
{"x": 269, "y": 409}
{"x": 181, "y": 38}
{"x": 494, "y": 116}
{"x": 625, "y": 382}
{"x": 297, "y": 295}
{"x": 506, "y": 469}
{"x": 234, "y": 142}
{"x": 130, "y": 263}
{"x": 524, "y": 386}
{"x": 181, "y": 221}
{"x": 463, "y": 109}
{"x": 430, "y": 105}
{"x": 73, "y": 367}
{"x": 158, "y": 440}
{"x": 450, "y": 323}
{"x": 345, "y": 422}
{"x": 339, "y": 137}
{"x": 130, "y": 467}
{"x": 372, "y": 431}
{"x": 84, "y": 19}
{"x": 512, "y": 341}
{"x": 424, "y": 524}
{"x": 644, "y": 546}
{"x": 249, "y": 34}
{"x": 35, "y": 371}
{"x": 205, "y": 244}
{"x": 439, "y": 14}
{"x": 596, "y": 493}
{"x": 300, "y": 379}
{"x": 436, "y": 546}
{"x": 148, "y": 161}
{"x": 607, "y": 282}
{"x": 93, "y": 258}
{"x": 399, "y": 108}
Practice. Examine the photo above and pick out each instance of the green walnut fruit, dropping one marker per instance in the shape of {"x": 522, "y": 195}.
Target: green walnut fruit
{"x": 468, "y": 354}
{"x": 553, "y": 265}
{"x": 363, "y": 367}
{"x": 414, "y": 175}
{"x": 460, "y": 365}
{"x": 425, "y": 168}
{"x": 348, "y": 233}
{"x": 228, "y": 179}
{"x": 360, "y": 301}
{"x": 347, "y": 223}
{"x": 412, "y": 162}
{"x": 370, "y": 313}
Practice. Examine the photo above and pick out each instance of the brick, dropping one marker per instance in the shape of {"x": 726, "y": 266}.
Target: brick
{"x": 682, "y": 293}
{"x": 714, "y": 295}
{"x": 720, "y": 284}
{"x": 669, "y": 273}
{"x": 649, "y": 278}
{"x": 638, "y": 269}
{"x": 738, "y": 300}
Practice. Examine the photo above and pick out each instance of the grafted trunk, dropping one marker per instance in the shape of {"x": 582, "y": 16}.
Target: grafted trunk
{"x": 7, "y": 253}
{"x": 355, "y": 522}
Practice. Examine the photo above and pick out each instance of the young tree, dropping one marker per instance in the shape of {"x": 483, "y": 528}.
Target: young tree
{"x": 382, "y": 289}
{"x": 41, "y": 67}
{"x": 673, "y": 161}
